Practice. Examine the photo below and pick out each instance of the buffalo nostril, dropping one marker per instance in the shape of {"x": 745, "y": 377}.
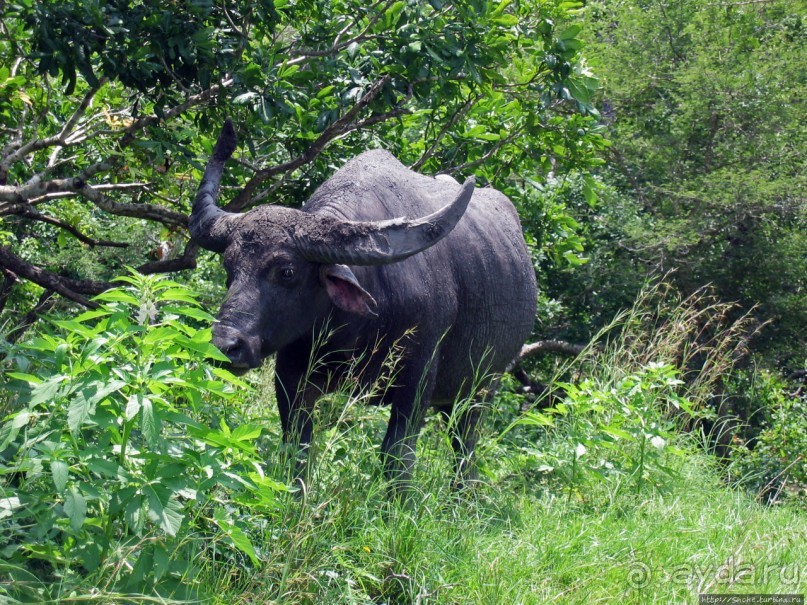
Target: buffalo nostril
{"x": 230, "y": 346}
{"x": 240, "y": 348}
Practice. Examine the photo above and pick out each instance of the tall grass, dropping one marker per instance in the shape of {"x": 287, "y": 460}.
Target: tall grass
{"x": 602, "y": 499}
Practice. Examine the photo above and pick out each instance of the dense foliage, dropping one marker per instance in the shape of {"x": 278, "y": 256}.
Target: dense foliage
{"x": 119, "y": 452}
{"x": 133, "y": 469}
{"x": 108, "y": 108}
{"x": 703, "y": 104}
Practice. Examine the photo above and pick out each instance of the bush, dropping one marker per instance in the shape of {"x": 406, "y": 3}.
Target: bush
{"x": 772, "y": 461}
{"x": 118, "y": 458}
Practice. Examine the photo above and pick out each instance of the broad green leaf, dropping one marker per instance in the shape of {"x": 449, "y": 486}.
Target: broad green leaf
{"x": 81, "y": 407}
{"x": 162, "y": 562}
{"x": 47, "y": 391}
{"x": 570, "y": 32}
{"x": 163, "y": 508}
{"x": 60, "y": 473}
{"x": 75, "y": 506}
{"x": 239, "y": 539}
{"x": 133, "y": 405}
{"x": 150, "y": 424}
{"x": 506, "y": 20}
{"x": 536, "y": 419}
{"x": 24, "y": 377}
{"x": 118, "y": 295}
{"x": 247, "y": 432}
{"x": 617, "y": 433}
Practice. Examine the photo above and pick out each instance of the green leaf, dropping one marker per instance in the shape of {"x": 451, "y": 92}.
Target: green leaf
{"x": 236, "y": 535}
{"x": 48, "y": 391}
{"x": 162, "y": 561}
{"x": 117, "y": 295}
{"x": 150, "y": 424}
{"x": 506, "y": 20}
{"x": 178, "y": 295}
{"x": 60, "y": 473}
{"x": 536, "y": 419}
{"x": 326, "y": 91}
{"x": 79, "y": 411}
{"x": 75, "y": 506}
{"x": 246, "y": 432}
{"x": 133, "y": 405}
{"x": 569, "y": 32}
{"x": 82, "y": 404}
{"x": 30, "y": 378}
{"x": 163, "y": 508}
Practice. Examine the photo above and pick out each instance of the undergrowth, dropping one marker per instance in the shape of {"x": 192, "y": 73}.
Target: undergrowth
{"x": 132, "y": 470}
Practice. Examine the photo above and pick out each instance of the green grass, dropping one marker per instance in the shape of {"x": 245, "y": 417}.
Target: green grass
{"x": 516, "y": 543}
{"x": 516, "y": 537}
{"x": 603, "y": 498}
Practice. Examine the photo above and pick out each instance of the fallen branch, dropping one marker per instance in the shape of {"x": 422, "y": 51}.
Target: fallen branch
{"x": 550, "y": 346}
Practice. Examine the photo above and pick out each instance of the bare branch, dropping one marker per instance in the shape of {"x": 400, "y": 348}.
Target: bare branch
{"x": 72, "y": 289}
{"x": 18, "y": 200}
{"x": 38, "y": 216}
{"x": 186, "y": 261}
{"x": 37, "y": 144}
{"x": 550, "y": 346}
{"x": 465, "y": 108}
{"x": 144, "y": 211}
{"x": 302, "y": 55}
{"x": 490, "y": 152}
{"x": 375, "y": 119}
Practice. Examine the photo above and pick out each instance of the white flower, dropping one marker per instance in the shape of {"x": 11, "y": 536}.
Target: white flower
{"x": 580, "y": 450}
{"x": 658, "y": 442}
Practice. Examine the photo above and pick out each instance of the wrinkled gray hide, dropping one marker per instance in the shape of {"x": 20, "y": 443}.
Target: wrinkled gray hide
{"x": 456, "y": 291}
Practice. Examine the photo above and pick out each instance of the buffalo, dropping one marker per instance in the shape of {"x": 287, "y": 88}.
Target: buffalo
{"x": 379, "y": 257}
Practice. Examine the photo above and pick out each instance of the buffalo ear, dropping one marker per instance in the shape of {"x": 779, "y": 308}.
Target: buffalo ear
{"x": 345, "y": 291}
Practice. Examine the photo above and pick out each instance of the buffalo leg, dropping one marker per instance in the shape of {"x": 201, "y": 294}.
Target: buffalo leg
{"x": 406, "y": 420}
{"x": 296, "y": 394}
{"x": 464, "y": 427}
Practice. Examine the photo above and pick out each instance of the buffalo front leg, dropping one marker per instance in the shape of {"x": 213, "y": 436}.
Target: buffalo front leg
{"x": 296, "y": 396}
{"x": 406, "y": 419}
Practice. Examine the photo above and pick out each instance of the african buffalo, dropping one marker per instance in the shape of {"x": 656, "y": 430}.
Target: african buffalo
{"x": 453, "y": 290}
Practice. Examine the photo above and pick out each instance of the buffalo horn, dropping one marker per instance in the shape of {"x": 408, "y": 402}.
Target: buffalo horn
{"x": 381, "y": 242}
{"x": 208, "y": 223}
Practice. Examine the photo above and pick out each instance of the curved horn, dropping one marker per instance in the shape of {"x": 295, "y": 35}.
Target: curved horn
{"x": 208, "y": 222}
{"x": 381, "y": 242}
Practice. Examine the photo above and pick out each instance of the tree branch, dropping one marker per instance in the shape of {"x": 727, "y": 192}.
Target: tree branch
{"x": 444, "y": 130}
{"x": 550, "y": 346}
{"x": 301, "y": 55}
{"x": 186, "y": 261}
{"x": 72, "y": 289}
{"x": 340, "y": 126}
{"x": 38, "y": 216}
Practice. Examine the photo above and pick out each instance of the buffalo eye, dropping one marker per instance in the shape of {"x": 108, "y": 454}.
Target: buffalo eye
{"x": 287, "y": 274}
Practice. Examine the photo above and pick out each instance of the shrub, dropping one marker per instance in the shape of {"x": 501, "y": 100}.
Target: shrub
{"x": 772, "y": 460}
{"x": 118, "y": 464}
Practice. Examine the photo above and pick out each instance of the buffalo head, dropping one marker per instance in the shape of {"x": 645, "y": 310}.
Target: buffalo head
{"x": 287, "y": 268}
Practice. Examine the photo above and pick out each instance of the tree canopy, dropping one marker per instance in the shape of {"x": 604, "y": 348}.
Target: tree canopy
{"x": 705, "y": 177}
{"x": 108, "y": 110}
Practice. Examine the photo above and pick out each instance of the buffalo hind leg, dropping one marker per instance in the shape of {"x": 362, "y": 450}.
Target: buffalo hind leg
{"x": 463, "y": 423}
